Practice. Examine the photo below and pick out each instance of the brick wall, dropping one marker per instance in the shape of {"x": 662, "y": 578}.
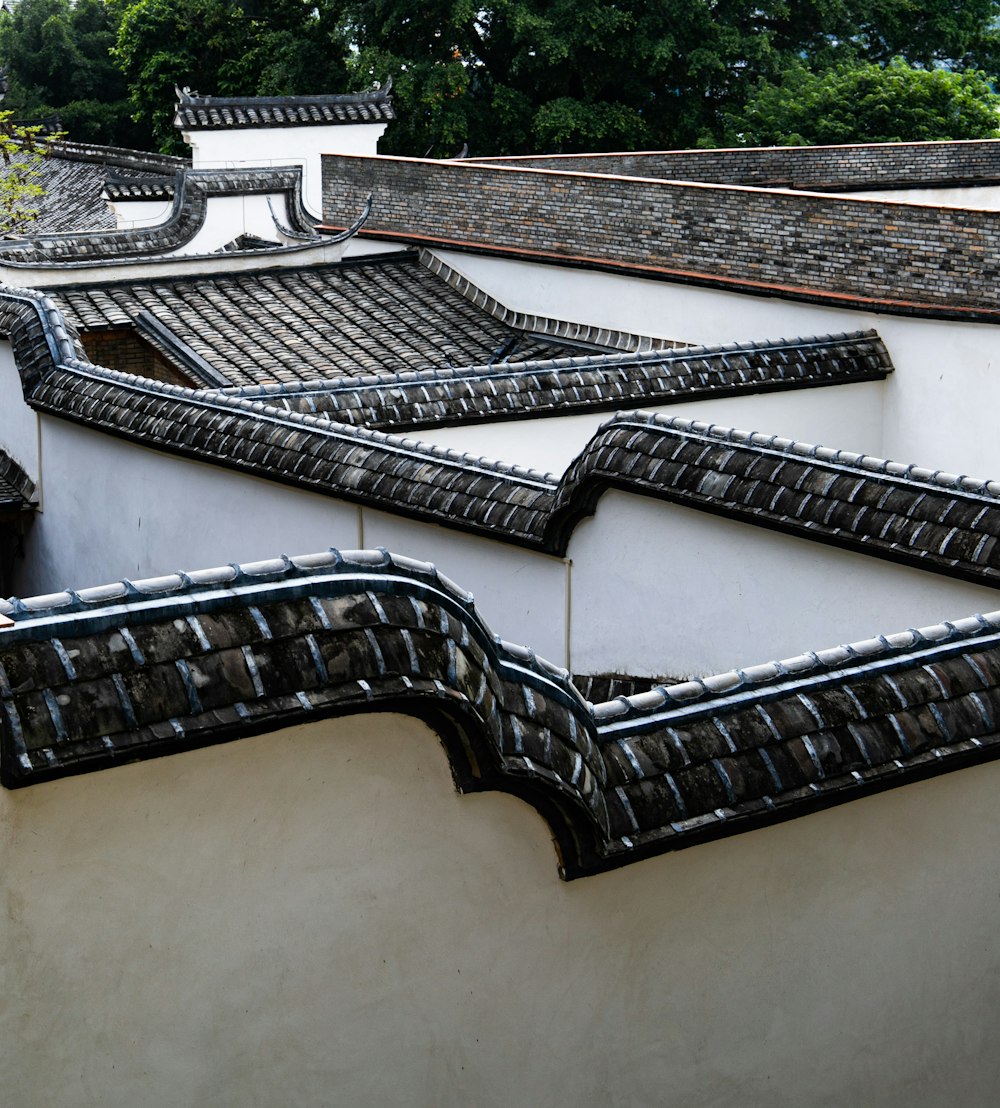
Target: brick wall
{"x": 882, "y": 165}
{"x": 122, "y": 349}
{"x": 944, "y": 258}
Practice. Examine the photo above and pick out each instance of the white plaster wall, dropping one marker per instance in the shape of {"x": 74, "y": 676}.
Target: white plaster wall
{"x": 522, "y": 595}
{"x": 939, "y": 403}
{"x": 230, "y": 216}
{"x": 130, "y": 214}
{"x": 236, "y": 148}
{"x": 670, "y": 591}
{"x": 19, "y": 435}
{"x": 316, "y": 918}
{"x": 653, "y": 588}
{"x": 115, "y": 509}
{"x": 846, "y": 416}
{"x": 120, "y": 510}
{"x": 982, "y": 198}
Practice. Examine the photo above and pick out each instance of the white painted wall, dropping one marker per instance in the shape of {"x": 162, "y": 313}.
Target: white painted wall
{"x": 130, "y": 214}
{"x": 114, "y": 509}
{"x": 981, "y": 198}
{"x": 239, "y": 148}
{"x": 227, "y": 217}
{"x": 670, "y": 591}
{"x": 19, "y": 434}
{"x": 316, "y": 918}
{"x": 846, "y": 416}
{"x": 522, "y": 595}
{"x": 653, "y": 588}
{"x": 938, "y": 403}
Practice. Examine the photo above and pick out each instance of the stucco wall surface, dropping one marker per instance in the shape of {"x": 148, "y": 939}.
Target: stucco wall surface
{"x": 937, "y": 405}
{"x": 849, "y": 416}
{"x": 647, "y": 588}
{"x": 316, "y": 918}
{"x": 675, "y": 592}
{"x": 238, "y": 147}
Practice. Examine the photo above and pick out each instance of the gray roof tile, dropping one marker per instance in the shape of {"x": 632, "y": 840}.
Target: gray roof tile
{"x": 138, "y": 669}
{"x": 212, "y": 113}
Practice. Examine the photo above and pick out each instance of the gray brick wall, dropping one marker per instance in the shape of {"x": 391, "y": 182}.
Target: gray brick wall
{"x": 885, "y": 165}
{"x": 864, "y": 249}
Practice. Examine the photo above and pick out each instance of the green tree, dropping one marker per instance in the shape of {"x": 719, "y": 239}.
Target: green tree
{"x": 563, "y": 74}
{"x": 224, "y": 47}
{"x": 867, "y": 103}
{"x": 58, "y": 60}
{"x": 21, "y": 152}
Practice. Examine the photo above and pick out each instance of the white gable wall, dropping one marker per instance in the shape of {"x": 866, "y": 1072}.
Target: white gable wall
{"x": 648, "y": 587}
{"x": 256, "y": 147}
{"x": 848, "y": 417}
{"x": 939, "y": 404}
{"x": 665, "y": 590}
{"x": 315, "y": 917}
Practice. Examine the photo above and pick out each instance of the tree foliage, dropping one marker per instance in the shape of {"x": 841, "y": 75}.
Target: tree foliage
{"x": 511, "y": 76}
{"x": 21, "y": 151}
{"x": 57, "y": 57}
{"x": 525, "y": 75}
{"x": 226, "y": 47}
{"x": 868, "y": 103}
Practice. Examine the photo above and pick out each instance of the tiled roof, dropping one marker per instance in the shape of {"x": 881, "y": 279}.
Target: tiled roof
{"x": 210, "y": 113}
{"x": 17, "y": 492}
{"x": 591, "y": 382}
{"x": 73, "y": 177}
{"x": 102, "y": 676}
{"x": 932, "y": 520}
{"x": 316, "y": 323}
{"x": 191, "y": 195}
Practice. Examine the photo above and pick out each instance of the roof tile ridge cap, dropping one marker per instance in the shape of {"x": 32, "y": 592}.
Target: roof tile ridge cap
{"x": 54, "y": 325}
{"x": 60, "y": 246}
{"x": 327, "y": 426}
{"x": 864, "y": 464}
{"x": 845, "y": 658}
{"x": 665, "y": 355}
{"x": 232, "y": 576}
{"x": 321, "y": 424}
{"x": 547, "y": 325}
{"x": 237, "y": 576}
{"x": 12, "y": 472}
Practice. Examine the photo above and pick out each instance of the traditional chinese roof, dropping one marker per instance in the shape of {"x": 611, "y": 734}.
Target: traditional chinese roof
{"x": 17, "y": 491}
{"x": 191, "y": 193}
{"x": 213, "y": 113}
{"x": 101, "y": 676}
{"x": 73, "y": 177}
{"x": 310, "y": 324}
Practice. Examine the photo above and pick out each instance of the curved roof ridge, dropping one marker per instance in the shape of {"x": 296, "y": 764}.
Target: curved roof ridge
{"x": 836, "y": 661}
{"x": 304, "y": 638}
{"x": 831, "y": 455}
{"x": 930, "y": 520}
{"x": 612, "y": 358}
{"x": 190, "y": 204}
{"x": 200, "y": 113}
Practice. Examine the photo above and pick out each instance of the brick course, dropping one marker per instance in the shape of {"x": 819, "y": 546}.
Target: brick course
{"x": 899, "y": 255}
{"x": 869, "y": 165}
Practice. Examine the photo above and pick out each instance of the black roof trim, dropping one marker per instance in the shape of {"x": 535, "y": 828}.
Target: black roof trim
{"x": 247, "y": 649}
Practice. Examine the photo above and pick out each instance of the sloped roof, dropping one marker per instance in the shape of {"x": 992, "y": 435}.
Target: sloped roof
{"x": 213, "y": 113}
{"x": 518, "y": 389}
{"x": 102, "y": 676}
{"x": 73, "y": 176}
{"x": 311, "y": 324}
{"x": 17, "y": 491}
